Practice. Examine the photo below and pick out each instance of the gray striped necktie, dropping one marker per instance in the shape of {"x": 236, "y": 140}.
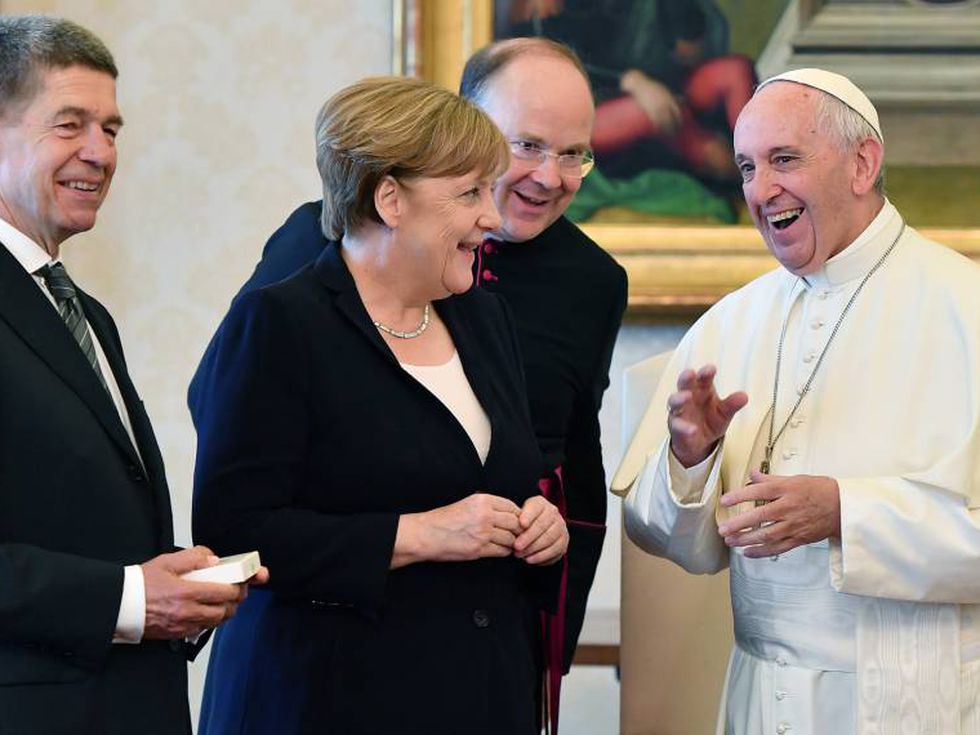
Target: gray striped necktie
{"x": 63, "y": 290}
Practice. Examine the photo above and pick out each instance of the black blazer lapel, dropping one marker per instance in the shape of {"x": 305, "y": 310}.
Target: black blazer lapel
{"x": 101, "y": 324}
{"x": 333, "y": 273}
{"x": 467, "y": 345}
{"x": 473, "y": 359}
{"x": 149, "y": 451}
{"x": 24, "y": 307}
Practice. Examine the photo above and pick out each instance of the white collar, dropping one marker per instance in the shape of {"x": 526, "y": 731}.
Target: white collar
{"x": 28, "y": 253}
{"x": 854, "y": 261}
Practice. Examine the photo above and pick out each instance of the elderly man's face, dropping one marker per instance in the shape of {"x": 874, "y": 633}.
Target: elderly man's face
{"x": 543, "y": 100}
{"x": 58, "y": 155}
{"x": 798, "y": 184}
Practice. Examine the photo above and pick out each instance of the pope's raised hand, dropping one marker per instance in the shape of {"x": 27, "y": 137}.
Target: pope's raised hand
{"x": 697, "y": 417}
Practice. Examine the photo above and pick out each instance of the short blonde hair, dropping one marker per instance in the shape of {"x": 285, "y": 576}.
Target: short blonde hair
{"x": 400, "y": 127}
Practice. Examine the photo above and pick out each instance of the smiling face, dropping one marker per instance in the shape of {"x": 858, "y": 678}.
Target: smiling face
{"x": 440, "y": 224}
{"x": 58, "y": 155}
{"x": 541, "y": 99}
{"x": 808, "y": 196}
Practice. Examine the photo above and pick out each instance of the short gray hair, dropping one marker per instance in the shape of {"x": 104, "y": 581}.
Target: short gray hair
{"x": 847, "y": 128}
{"x": 33, "y": 44}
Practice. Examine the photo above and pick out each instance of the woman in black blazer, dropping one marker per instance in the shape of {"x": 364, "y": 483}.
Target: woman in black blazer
{"x": 363, "y": 424}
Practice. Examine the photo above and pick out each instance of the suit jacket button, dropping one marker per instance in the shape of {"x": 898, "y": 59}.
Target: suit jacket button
{"x": 135, "y": 473}
{"x": 481, "y": 618}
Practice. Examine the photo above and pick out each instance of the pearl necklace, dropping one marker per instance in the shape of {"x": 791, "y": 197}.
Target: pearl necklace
{"x": 423, "y": 325}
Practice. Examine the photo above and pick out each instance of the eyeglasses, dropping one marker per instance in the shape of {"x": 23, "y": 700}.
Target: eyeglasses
{"x": 576, "y": 165}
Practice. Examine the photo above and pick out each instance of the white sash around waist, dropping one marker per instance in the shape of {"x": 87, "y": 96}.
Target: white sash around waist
{"x": 784, "y": 608}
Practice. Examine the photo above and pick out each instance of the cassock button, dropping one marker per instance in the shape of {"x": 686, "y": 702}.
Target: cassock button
{"x": 782, "y": 728}
{"x": 809, "y": 356}
{"x": 481, "y": 618}
{"x": 816, "y": 323}
{"x": 488, "y": 247}
{"x": 780, "y": 695}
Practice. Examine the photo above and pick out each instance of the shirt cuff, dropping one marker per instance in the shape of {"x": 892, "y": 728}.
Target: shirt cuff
{"x": 132, "y": 607}
{"x": 687, "y": 484}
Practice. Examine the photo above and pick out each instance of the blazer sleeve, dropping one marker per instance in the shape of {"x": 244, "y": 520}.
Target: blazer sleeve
{"x": 58, "y": 608}
{"x": 253, "y": 417}
{"x": 55, "y": 604}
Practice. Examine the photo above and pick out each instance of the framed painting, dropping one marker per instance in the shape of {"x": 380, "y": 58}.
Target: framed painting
{"x": 684, "y": 254}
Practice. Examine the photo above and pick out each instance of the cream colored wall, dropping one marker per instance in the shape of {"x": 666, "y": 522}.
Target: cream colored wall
{"x": 219, "y": 98}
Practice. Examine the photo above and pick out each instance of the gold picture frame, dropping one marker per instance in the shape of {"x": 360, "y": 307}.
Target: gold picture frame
{"x": 673, "y": 270}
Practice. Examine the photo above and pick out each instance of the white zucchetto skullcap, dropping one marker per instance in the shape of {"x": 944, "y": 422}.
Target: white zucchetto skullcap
{"x": 836, "y": 85}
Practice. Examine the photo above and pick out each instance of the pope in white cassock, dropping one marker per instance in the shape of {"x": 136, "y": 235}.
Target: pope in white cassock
{"x": 839, "y": 479}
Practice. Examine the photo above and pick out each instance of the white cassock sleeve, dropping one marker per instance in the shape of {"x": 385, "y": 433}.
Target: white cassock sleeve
{"x": 671, "y": 511}
{"x": 905, "y": 540}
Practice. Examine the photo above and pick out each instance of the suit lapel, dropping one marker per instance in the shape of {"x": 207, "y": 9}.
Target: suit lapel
{"x": 99, "y": 323}
{"x": 24, "y": 307}
{"x": 149, "y": 451}
{"x": 475, "y": 366}
{"x": 470, "y": 355}
{"x": 333, "y": 273}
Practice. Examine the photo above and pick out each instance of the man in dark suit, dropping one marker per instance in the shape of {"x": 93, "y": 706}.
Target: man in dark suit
{"x": 93, "y": 610}
{"x": 567, "y": 294}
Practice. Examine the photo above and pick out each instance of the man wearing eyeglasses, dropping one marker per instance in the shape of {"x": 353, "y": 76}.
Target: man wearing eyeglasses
{"x": 567, "y": 294}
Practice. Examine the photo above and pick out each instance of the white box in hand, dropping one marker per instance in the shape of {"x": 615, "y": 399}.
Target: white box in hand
{"x": 228, "y": 570}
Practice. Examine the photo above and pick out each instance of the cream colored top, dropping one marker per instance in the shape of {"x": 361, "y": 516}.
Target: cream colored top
{"x": 448, "y": 383}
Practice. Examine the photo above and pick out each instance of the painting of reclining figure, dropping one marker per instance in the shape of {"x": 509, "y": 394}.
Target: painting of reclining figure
{"x": 671, "y": 76}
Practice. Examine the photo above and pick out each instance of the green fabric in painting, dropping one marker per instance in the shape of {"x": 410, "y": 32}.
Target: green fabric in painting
{"x": 655, "y": 192}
